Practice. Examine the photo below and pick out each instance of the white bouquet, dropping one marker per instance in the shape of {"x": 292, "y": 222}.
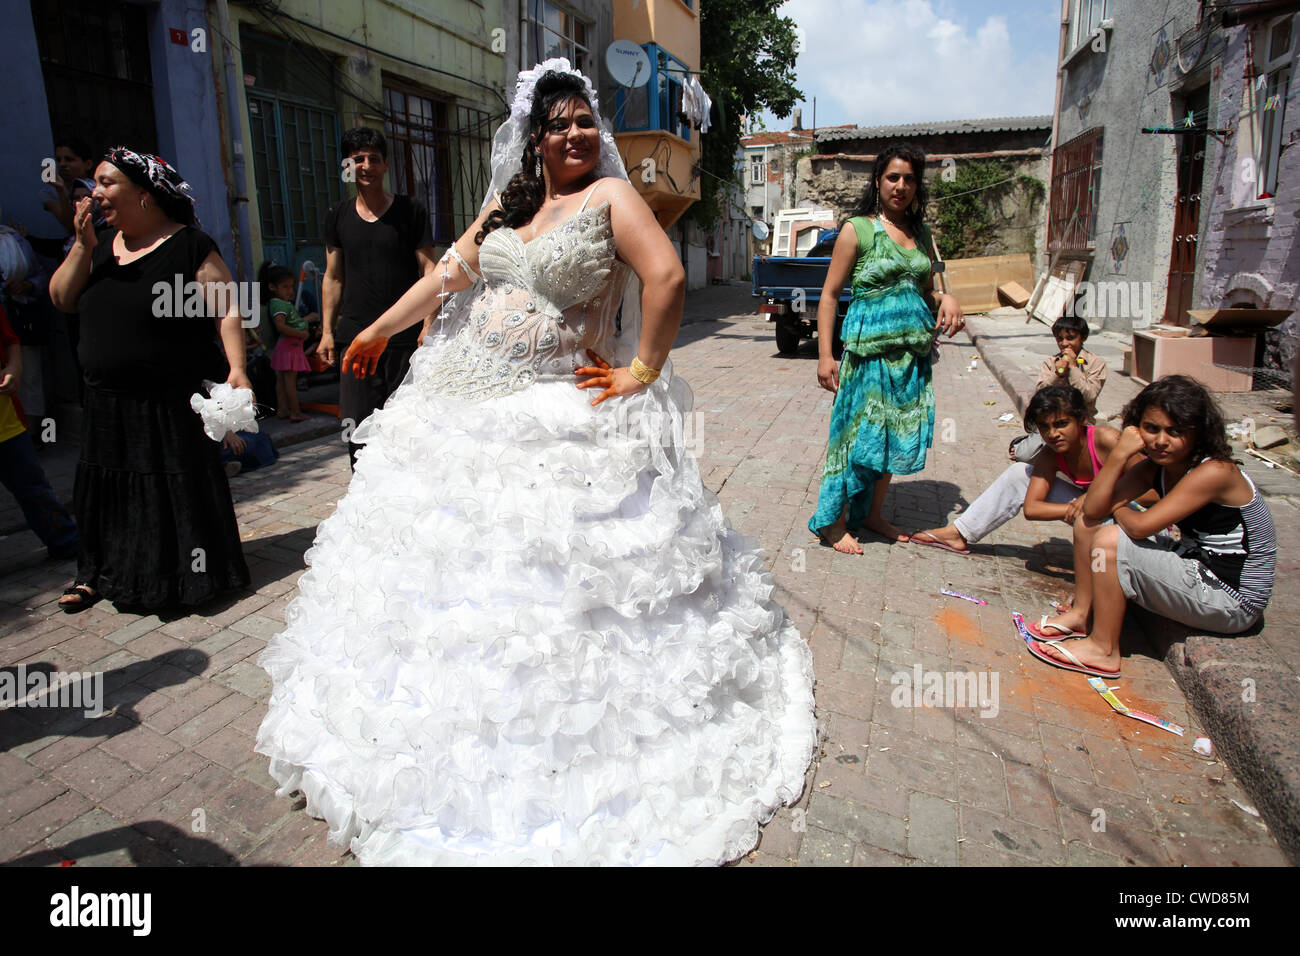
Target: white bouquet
{"x": 229, "y": 409}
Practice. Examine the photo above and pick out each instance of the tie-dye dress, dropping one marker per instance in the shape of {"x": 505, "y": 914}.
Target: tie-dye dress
{"x": 882, "y": 421}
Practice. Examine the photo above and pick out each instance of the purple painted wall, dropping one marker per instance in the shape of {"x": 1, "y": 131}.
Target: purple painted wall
{"x": 1251, "y": 253}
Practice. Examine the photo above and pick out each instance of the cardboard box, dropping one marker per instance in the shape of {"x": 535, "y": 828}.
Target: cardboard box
{"x": 1014, "y": 293}
{"x": 1201, "y": 357}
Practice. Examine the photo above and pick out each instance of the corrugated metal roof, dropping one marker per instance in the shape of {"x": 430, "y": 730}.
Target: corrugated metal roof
{"x": 996, "y": 124}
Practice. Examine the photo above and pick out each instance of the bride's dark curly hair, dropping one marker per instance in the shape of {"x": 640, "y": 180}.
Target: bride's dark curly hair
{"x": 526, "y": 190}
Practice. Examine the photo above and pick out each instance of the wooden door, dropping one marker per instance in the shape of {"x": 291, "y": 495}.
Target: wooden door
{"x": 1187, "y": 213}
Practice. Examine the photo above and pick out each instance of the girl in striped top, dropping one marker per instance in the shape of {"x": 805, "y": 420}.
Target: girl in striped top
{"x": 1218, "y": 576}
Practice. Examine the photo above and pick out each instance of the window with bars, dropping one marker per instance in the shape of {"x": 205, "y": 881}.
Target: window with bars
{"x": 549, "y": 31}
{"x": 1076, "y": 179}
{"x": 295, "y": 142}
{"x": 1270, "y": 102}
{"x": 415, "y": 127}
{"x": 96, "y": 66}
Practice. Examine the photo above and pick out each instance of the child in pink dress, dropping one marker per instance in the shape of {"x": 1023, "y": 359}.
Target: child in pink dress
{"x": 287, "y": 359}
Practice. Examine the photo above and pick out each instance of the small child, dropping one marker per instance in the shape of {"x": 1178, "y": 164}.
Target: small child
{"x": 1071, "y": 365}
{"x": 1050, "y": 489}
{"x": 20, "y": 469}
{"x": 1219, "y": 576}
{"x": 287, "y": 359}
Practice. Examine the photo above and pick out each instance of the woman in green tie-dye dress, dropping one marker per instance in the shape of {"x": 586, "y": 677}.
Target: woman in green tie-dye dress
{"x": 882, "y": 422}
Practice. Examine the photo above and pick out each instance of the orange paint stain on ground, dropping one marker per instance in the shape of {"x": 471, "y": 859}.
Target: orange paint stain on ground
{"x": 956, "y": 624}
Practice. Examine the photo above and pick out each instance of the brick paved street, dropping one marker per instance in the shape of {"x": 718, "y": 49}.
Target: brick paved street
{"x": 1054, "y": 778}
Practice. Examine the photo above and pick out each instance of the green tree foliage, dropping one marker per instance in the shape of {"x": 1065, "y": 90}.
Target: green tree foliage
{"x": 960, "y": 211}
{"x": 748, "y": 58}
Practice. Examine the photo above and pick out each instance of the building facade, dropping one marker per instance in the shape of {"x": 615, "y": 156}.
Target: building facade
{"x": 1172, "y": 161}
{"x": 1250, "y": 254}
{"x": 769, "y": 174}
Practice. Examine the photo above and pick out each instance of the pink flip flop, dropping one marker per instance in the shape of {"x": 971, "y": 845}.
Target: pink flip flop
{"x": 1075, "y": 664}
{"x": 1061, "y": 633}
{"x": 935, "y": 543}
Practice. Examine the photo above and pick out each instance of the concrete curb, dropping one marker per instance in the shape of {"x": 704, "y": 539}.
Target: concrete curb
{"x": 1018, "y": 384}
{"x": 1256, "y": 739}
{"x": 1249, "y": 706}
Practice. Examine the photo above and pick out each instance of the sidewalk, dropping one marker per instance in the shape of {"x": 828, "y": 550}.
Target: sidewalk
{"x": 1050, "y": 776}
{"x": 1245, "y": 688}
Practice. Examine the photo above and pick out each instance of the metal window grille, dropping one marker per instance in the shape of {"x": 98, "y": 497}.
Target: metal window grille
{"x": 1076, "y": 176}
{"x": 98, "y": 79}
{"x": 439, "y": 154}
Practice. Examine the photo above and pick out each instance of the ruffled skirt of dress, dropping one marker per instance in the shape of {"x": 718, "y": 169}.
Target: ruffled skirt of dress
{"x": 529, "y": 636}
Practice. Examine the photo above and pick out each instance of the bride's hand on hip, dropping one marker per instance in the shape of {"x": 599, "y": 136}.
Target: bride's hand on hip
{"x": 614, "y": 381}
{"x": 362, "y": 356}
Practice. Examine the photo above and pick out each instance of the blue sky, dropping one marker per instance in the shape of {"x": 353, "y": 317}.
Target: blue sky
{"x": 871, "y": 62}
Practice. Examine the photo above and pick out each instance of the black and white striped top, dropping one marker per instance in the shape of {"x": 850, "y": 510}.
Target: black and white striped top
{"x": 1237, "y": 545}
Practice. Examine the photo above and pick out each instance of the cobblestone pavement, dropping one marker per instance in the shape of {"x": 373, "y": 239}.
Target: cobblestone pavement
{"x": 1053, "y": 778}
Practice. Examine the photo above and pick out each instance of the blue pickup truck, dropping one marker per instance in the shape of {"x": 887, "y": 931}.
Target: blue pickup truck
{"x": 790, "y": 289}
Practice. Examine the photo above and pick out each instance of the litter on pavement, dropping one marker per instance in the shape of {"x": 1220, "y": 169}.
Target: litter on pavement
{"x": 1109, "y": 697}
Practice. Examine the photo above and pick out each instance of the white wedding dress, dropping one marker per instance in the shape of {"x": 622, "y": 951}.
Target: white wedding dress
{"x": 527, "y": 634}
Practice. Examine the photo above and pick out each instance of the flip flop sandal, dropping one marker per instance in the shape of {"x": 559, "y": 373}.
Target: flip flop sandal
{"x": 87, "y": 599}
{"x": 1075, "y": 664}
{"x": 935, "y": 543}
{"x": 1039, "y": 631}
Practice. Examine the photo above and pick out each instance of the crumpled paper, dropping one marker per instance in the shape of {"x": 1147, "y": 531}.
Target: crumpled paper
{"x": 229, "y": 409}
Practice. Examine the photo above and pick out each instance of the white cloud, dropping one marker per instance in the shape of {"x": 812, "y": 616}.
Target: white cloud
{"x": 873, "y": 62}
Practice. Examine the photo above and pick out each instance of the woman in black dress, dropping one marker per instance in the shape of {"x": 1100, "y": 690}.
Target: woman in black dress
{"x": 152, "y": 500}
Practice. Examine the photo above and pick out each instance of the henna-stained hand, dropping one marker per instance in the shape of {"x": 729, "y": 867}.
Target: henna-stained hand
{"x": 614, "y": 381}
{"x": 362, "y": 357}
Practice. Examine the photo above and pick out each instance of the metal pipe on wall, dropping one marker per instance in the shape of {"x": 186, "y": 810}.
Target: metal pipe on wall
{"x": 238, "y": 173}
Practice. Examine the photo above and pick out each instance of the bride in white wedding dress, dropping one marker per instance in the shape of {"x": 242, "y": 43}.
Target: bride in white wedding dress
{"x": 527, "y": 634}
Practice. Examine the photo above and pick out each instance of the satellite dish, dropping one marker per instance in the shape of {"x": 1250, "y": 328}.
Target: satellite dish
{"x": 627, "y": 63}
{"x": 759, "y": 229}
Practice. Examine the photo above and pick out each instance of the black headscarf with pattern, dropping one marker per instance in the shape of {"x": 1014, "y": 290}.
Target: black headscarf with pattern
{"x": 155, "y": 174}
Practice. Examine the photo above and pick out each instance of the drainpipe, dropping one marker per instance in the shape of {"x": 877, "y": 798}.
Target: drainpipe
{"x": 243, "y": 244}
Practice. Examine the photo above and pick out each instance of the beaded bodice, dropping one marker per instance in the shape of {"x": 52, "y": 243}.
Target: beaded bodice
{"x": 546, "y": 301}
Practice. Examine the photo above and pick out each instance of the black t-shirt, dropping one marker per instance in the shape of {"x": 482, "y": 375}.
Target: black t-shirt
{"x": 379, "y": 262}
{"x": 135, "y": 339}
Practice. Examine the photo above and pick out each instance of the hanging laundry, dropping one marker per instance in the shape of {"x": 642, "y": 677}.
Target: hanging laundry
{"x": 696, "y": 104}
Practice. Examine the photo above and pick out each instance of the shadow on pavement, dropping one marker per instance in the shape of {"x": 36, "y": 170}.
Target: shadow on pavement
{"x": 149, "y": 843}
{"x": 62, "y": 710}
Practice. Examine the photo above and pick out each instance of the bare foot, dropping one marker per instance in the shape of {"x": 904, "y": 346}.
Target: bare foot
{"x": 883, "y": 527}
{"x": 281, "y": 414}
{"x": 837, "y": 536}
{"x": 300, "y": 417}
{"x": 949, "y": 535}
{"x": 1089, "y": 653}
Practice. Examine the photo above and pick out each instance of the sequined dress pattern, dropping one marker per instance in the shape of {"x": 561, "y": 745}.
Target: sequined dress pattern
{"x": 527, "y": 634}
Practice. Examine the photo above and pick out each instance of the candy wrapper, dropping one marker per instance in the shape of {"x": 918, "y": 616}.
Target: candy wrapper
{"x": 1109, "y": 697}
{"x": 229, "y": 409}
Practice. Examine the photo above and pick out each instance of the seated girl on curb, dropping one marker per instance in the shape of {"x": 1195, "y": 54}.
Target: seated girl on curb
{"x": 1218, "y": 577}
{"x": 1050, "y": 489}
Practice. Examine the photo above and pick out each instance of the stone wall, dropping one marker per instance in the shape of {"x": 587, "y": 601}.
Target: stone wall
{"x": 838, "y": 181}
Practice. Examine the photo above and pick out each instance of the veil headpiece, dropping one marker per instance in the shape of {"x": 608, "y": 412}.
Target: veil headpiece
{"x": 508, "y": 143}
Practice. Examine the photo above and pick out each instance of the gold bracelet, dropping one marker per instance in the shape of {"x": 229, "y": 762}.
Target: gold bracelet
{"x": 642, "y": 372}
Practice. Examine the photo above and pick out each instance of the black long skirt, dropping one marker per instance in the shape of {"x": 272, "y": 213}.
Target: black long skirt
{"x": 154, "y": 514}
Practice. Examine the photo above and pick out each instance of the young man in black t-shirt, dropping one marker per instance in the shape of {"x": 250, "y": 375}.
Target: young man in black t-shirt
{"x": 376, "y": 247}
